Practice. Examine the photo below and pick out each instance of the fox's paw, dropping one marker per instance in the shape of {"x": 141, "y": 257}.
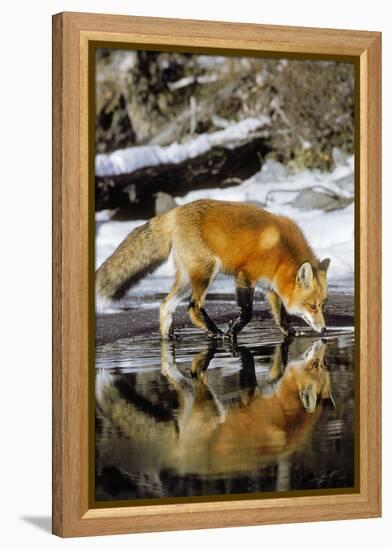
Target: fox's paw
{"x": 233, "y": 329}
{"x": 216, "y": 334}
{"x": 231, "y": 324}
{"x": 233, "y": 346}
{"x": 232, "y": 336}
{"x": 170, "y": 337}
{"x": 288, "y": 330}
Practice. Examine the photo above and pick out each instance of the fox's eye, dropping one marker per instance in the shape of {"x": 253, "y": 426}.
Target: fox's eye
{"x": 313, "y": 307}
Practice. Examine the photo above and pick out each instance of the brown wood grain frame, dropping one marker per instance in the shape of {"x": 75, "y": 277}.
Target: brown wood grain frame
{"x": 74, "y": 37}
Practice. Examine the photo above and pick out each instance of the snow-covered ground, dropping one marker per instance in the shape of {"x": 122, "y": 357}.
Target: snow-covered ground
{"x": 331, "y": 234}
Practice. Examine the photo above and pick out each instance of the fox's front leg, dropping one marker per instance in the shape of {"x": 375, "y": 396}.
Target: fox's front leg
{"x": 279, "y": 313}
{"x": 247, "y": 377}
{"x": 244, "y": 299}
{"x": 279, "y": 360}
{"x": 201, "y": 361}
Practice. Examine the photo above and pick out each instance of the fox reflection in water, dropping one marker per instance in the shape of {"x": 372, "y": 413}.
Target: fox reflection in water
{"x": 200, "y": 436}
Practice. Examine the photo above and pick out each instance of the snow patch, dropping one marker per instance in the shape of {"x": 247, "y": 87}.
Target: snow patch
{"x": 125, "y": 161}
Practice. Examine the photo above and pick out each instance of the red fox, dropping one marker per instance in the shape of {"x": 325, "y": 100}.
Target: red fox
{"x": 208, "y": 236}
{"x": 207, "y": 436}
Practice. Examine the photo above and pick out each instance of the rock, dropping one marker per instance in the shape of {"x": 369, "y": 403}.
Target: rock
{"x": 163, "y": 203}
{"x": 134, "y": 193}
{"x": 346, "y": 184}
{"x": 272, "y": 171}
{"x": 308, "y": 199}
{"x": 339, "y": 156}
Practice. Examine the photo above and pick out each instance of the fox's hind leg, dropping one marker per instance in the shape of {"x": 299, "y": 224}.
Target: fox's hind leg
{"x": 244, "y": 298}
{"x": 200, "y": 283}
{"x": 279, "y": 313}
{"x": 170, "y": 303}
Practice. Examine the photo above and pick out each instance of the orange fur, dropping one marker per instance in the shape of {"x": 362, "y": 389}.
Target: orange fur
{"x": 243, "y": 436}
{"x": 206, "y": 236}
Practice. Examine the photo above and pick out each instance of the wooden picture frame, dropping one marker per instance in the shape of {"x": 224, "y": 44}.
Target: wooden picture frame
{"x": 74, "y": 36}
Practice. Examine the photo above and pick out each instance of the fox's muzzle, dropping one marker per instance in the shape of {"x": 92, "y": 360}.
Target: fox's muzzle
{"x": 316, "y": 324}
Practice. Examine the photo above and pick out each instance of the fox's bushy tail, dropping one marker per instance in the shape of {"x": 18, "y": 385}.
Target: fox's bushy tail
{"x": 141, "y": 253}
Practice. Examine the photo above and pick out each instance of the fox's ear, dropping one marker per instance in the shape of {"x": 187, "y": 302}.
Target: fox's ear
{"x": 324, "y": 265}
{"x": 304, "y": 274}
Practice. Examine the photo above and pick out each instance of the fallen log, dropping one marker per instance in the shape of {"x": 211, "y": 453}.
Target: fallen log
{"x": 133, "y": 194}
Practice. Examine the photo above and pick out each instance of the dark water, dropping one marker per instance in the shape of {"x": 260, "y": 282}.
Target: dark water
{"x": 195, "y": 418}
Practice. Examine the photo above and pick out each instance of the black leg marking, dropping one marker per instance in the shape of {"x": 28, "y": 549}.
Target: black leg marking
{"x": 201, "y": 361}
{"x": 285, "y": 321}
{"x": 208, "y": 321}
{"x": 172, "y": 334}
{"x": 285, "y": 350}
{"x": 212, "y": 329}
{"x": 244, "y": 298}
{"x": 247, "y": 376}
